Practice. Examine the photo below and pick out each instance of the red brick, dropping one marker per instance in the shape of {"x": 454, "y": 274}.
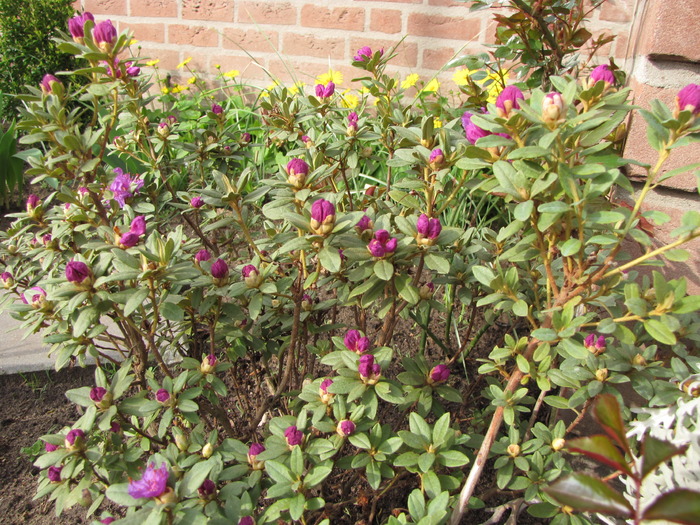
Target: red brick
{"x": 406, "y": 53}
{"x": 169, "y": 58}
{"x": 193, "y": 35}
{"x": 386, "y": 20}
{"x": 251, "y": 40}
{"x": 620, "y": 44}
{"x": 668, "y": 30}
{"x": 448, "y": 3}
{"x": 106, "y": 7}
{"x": 397, "y": 1}
{"x": 638, "y": 148}
{"x": 437, "y": 26}
{"x": 269, "y": 12}
{"x": 617, "y": 11}
{"x": 345, "y": 18}
{"x": 147, "y": 32}
{"x": 435, "y": 58}
{"x": 313, "y": 46}
{"x": 246, "y": 65}
{"x": 153, "y": 8}
{"x": 218, "y": 10}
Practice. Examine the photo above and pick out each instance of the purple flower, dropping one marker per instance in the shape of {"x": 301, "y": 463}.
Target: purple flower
{"x": 47, "y": 84}
{"x": 428, "y": 230}
{"x": 345, "y": 428}
{"x": 352, "y": 120}
{"x": 246, "y": 520}
{"x": 436, "y": 157}
{"x": 322, "y": 217}
{"x": 131, "y": 70}
{"x": 472, "y": 131}
{"x": 136, "y": 230}
{"x": 325, "y": 91}
{"x": 7, "y": 280}
{"x": 77, "y": 272}
{"x": 306, "y": 139}
{"x": 594, "y": 344}
{"x": 297, "y": 170}
{"x": 368, "y": 369}
{"x": 293, "y": 436}
{"x": 138, "y": 225}
{"x": 54, "y": 474}
{"x": 196, "y": 202}
{"x": 115, "y": 427}
{"x": 202, "y": 255}
{"x": 251, "y": 276}
{"x": 97, "y": 393}
{"x": 603, "y": 73}
{"x": 219, "y": 269}
{"x": 32, "y": 202}
{"x": 76, "y": 24}
{"x": 108, "y": 520}
{"x": 50, "y": 447}
{"x": 253, "y": 451}
{"x": 162, "y": 395}
{"x": 323, "y": 388}
{"x": 688, "y": 99}
{"x": 207, "y": 489}
{"x": 364, "y": 53}
{"x": 552, "y": 107}
{"x": 216, "y": 109}
{"x": 208, "y": 364}
{"x": 364, "y": 224}
{"x": 246, "y": 138}
{"x": 508, "y": 100}
{"x": 34, "y": 296}
{"x": 104, "y": 34}
{"x": 123, "y": 186}
{"x": 382, "y": 244}
{"x": 128, "y": 240}
{"x": 152, "y": 484}
{"x": 355, "y": 342}
{"x": 439, "y": 374}
{"x": 73, "y": 435}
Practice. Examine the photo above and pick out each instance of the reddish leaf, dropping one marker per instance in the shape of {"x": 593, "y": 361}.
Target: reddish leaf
{"x": 655, "y": 452}
{"x": 589, "y": 494}
{"x": 679, "y": 506}
{"x": 602, "y": 449}
{"x": 607, "y": 412}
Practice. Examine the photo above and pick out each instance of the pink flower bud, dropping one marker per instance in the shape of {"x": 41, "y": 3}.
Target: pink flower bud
{"x": 428, "y": 230}
{"x": 74, "y": 438}
{"x": 322, "y": 217}
{"x": 552, "y": 108}
{"x": 7, "y": 280}
{"x": 603, "y": 73}
{"x": 364, "y": 53}
{"x": 131, "y": 70}
{"x": 47, "y": 84}
{"x": 325, "y": 91}
{"x": 138, "y": 225}
{"x": 382, "y": 244}
{"x": 326, "y": 396}
{"x": 345, "y": 428}
{"x": 35, "y": 296}
{"x": 297, "y": 170}
{"x": 219, "y": 269}
{"x": 196, "y": 202}
{"x": 439, "y": 374}
{"x": 78, "y": 272}
{"x": 368, "y": 369}
{"x": 54, "y": 474}
{"x": 76, "y": 26}
{"x": 49, "y": 447}
{"x": 217, "y": 109}
{"x": 207, "y": 489}
{"x": 251, "y": 276}
{"x": 104, "y": 34}
{"x": 246, "y": 138}
{"x": 594, "y": 344}
{"x": 364, "y": 224}
{"x": 253, "y": 451}
{"x": 162, "y": 395}
{"x": 472, "y": 131}
{"x": 97, "y": 393}
{"x": 208, "y": 364}
{"x": 436, "y": 157}
{"x": 508, "y": 100}
{"x": 355, "y": 342}
{"x": 202, "y": 255}
{"x": 108, "y": 520}
{"x": 688, "y": 99}
{"x": 293, "y": 436}
{"x": 246, "y": 520}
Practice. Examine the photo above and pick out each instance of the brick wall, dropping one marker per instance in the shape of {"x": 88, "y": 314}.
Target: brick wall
{"x": 308, "y": 36}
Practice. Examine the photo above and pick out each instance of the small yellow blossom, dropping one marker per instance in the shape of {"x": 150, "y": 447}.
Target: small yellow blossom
{"x": 349, "y": 100}
{"x": 298, "y": 87}
{"x": 132, "y": 42}
{"x": 332, "y": 76}
{"x": 437, "y": 123}
{"x": 431, "y": 87}
{"x": 152, "y": 63}
{"x": 217, "y": 66}
{"x": 461, "y": 77}
{"x": 232, "y": 74}
{"x": 177, "y": 88}
{"x": 164, "y": 90}
{"x": 364, "y": 90}
{"x": 410, "y": 81}
{"x": 494, "y": 83}
{"x": 192, "y": 80}
{"x": 184, "y": 63}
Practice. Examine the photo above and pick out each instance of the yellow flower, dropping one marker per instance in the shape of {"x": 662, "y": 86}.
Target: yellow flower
{"x": 332, "y": 76}
{"x": 461, "y": 77}
{"x": 217, "y": 66}
{"x": 298, "y": 87}
{"x": 164, "y": 90}
{"x": 437, "y": 123}
{"x": 132, "y": 42}
{"x": 192, "y": 80}
{"x": 410, "y": 81}
{"x": 232, "y": 74}
{"x": 177, "y": 88}
{"x": 184, "y": 63}
{"x": 364, "y": 90}
{"x": 349, "y": 100}
{"x": 494, "y": 85}
{"x": 152, "y": 63}
{"x": 431, "y": 87}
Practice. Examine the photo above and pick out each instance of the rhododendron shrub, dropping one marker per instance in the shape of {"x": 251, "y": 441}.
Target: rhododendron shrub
{"x": 247, "y": 280}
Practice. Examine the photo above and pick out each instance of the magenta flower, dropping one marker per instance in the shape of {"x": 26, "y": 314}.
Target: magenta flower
{"x": 603, "y": 73}
{"x": 138, "y": 225}
{"x": 162, "y": 395}
{"x": 208, "y": 364}
{"x": 74, "y": 435}
{"x": 207, "y": 489}
{"x": 196, "y": 202}
{"x": 50, "y": 447}
{"x": 297, "y": 170}
{"x": 251, "y": 276}
{"x": 152, "y": 484}
{"x": 47, "y": 84}
{"x": 32, "y": 202}
{"x": 552, "y": 107}
{"x": 364, "y": 224}
{"x": 325, "y": 91}
{"x": 77, "y": 272}
{"x": 217, "y": 109}
{"x": 688, "y": 99}
{"x": 594, "y": 344}
{"x": 368, "y": 369}
{"x": 352, "y": 120}
{"x": 246, "y": 520}
{"x": 137, "y": 229}
{"x": 124, "y": 186}
{"x": 439, "y": 374}
{"x": 364, "y": 53}
{"x": 472, "y": 131}
{"x": 345, "y": 428}
{"x": 54, "y": 474}
{"x": 76, "y": 25}
{"x": 246, "y": 138}
{"x": 428, "y": 230}
{"x": 253, "y": 451}
{"x": 355, "y": 342}
{"x": 132, "y": 70}
{"x": 293, "y": 436}
{"x": 382, "y": 244}
{"x": 436, "y": 157}
{"x": 508, "y": 100}
{"x": 202, "y": 255}
{"x": 322, "y": 217}
{"x": 34, "y": 296}
{"x": 108, "y": 520}
{"x": 104, "y": 34}
{"x": 97, "y": 393}
{"x": 219, "y": 269}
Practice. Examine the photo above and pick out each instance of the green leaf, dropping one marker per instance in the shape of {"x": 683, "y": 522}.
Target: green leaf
{"x": 278, "y": 472}
{"x": 659, "y": 331}
{"x": 383, "y": 269}
{"x": 330, "y": 259}
{"x": 679, "y": 506}
{"x": 296, "y": 506}
{"x": 195, "y": 477}
{"x": 437, "y": 263}
{"x": 484, "y": 275}
{"x": 119, "y": 494}
{"x": 601, "y": 449}
{"x": 588, "y": 494}
{"x": 136, "y": 300}
{"x": 655, "y": 452}
{"x": 570, "y": 247}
